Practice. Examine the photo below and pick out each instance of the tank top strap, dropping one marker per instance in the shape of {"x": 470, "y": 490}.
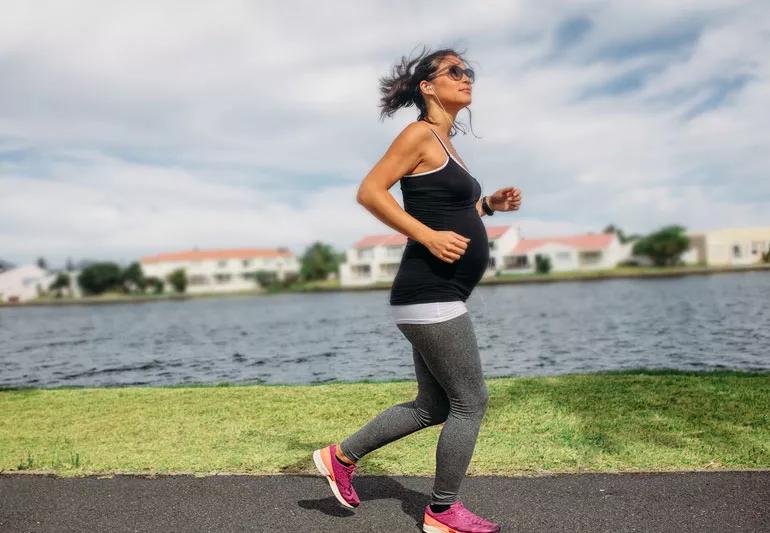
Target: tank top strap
{"x": 448, "y": 152}
{"x": 442, "y": 142}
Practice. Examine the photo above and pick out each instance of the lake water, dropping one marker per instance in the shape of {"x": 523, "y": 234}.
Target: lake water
{"x": 696, "y": 322}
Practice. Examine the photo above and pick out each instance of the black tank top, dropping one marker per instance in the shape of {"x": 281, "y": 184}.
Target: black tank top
{"x": 442, "y": 199}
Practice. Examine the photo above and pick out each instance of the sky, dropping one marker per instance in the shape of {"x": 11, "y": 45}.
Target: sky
{"x": 134, "y": 128}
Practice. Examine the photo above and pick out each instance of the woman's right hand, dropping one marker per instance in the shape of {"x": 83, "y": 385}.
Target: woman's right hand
{"x": 447, "y": 245}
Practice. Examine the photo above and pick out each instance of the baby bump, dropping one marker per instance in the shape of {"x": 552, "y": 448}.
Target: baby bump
{"x": 473, "y": 263}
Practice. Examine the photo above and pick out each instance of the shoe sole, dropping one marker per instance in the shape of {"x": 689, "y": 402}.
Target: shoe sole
{"x": 322, "y": 468}
{"x": 431, "y": 525}
{"x": 431, "y": 529}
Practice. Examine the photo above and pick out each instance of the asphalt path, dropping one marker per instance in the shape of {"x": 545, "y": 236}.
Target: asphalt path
{"x": 707, "y": 501}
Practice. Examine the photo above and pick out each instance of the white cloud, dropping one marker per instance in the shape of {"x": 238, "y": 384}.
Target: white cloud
{"x": 132, "y": 128}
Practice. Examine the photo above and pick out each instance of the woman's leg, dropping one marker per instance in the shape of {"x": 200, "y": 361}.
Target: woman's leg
{"x": 451, "y": 354}
{"x": 429, "y": 408}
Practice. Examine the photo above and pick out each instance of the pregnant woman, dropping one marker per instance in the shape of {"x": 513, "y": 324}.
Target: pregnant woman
{"x": 445, "y": 256}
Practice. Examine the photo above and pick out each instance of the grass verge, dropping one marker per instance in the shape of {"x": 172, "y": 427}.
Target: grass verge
{"x": 643, "y": 420}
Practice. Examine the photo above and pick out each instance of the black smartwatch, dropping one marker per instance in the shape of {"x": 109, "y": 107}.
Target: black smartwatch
{"x": 485, "y": 206}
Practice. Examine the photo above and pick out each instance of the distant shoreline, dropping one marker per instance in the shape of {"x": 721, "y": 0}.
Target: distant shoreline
{"x": 333, "y": 286}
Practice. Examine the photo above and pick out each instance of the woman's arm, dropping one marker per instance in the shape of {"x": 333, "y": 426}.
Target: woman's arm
{"x": 479, "y": 209}
{"x": 402, "y": 157}
{"x": 374, "y": 192}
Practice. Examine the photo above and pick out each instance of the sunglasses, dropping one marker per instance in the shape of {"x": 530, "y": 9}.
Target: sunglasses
{"x": 456, "y": 73}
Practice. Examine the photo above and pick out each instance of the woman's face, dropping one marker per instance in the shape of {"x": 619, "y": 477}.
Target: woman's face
{"x": 457, "y": 93}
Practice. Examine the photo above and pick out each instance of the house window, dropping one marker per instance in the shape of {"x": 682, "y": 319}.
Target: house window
{"x": 516, "y": 261}
{"x": 246, "y": 262}
{"x": 491, "y": 245}
{"x": 222, "y": 263}
{"x": 491, "y": 262}
{"x": 389, "y": 269}
{"x": 198, "y": 279}
{"x": 590, "y": 258}
{"x": 365, "y": 253}
{"x": 361, "y": 271}
{"x": 394, "y": 251}
{"x": 563, "y": 256}
{"x": 736, "y": 250}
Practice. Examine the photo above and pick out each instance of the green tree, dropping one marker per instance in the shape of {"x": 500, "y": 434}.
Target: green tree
{"x": 318, "y": 261}
{"x": 542, "y": 264}
{"x": 265, "y": 278}
{"x": 178, "y": 279}
{"x": 155, "y": 283}
{"x": 612, "y": 228}
{"x": 663, "y": 247}
{"x": 100, "y": 277}
{"x": 622, "y": 237}
{"x": 133, "y": 278}
{"x": 62, "y": 281}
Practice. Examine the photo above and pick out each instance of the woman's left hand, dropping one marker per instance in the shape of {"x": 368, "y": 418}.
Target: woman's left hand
{"x": 505, "y": 199}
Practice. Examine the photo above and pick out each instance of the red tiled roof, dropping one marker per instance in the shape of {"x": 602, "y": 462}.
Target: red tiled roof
{"x": 493, "y": 232}
{"x": 398, "y": 239}
{"x": 229, "y": 253}
{"x": 391, "y": 239}
{"x": 588, "y": 241}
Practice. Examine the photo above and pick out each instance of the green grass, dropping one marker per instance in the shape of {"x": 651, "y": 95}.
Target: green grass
{"x": 603, "y": 422}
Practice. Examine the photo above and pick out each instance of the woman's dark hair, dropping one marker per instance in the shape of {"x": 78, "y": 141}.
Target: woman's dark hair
{"x": 402, "y": 87}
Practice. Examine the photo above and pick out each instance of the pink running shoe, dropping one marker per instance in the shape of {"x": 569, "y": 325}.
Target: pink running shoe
{"x": 456, "y": 519}
{"x": 337, "y": 474}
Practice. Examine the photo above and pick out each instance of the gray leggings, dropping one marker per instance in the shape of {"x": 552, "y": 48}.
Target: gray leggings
{"x": 450, "y": 389}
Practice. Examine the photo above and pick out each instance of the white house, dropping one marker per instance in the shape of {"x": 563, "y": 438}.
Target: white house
{"x": 375, "y": 258}
{"x": 588, "y": 251}
{"x": 502, "y": 239}
{"x": 24, "y": 283}
{"x": 222, "y": 270}
{"x": 728, "y": 246}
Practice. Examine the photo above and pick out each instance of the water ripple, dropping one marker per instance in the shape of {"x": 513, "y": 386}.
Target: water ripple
{"x": 698, "y": 322}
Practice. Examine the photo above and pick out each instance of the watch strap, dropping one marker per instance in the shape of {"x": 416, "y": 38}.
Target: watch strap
{"x": 485, "y": 206}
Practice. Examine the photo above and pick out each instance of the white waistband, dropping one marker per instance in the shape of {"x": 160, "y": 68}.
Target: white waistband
{"x": 427, "y": 313}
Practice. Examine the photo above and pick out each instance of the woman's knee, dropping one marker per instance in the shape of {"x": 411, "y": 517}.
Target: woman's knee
{"x": 432, "y": 414}
{"x": 471, "y": 404}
